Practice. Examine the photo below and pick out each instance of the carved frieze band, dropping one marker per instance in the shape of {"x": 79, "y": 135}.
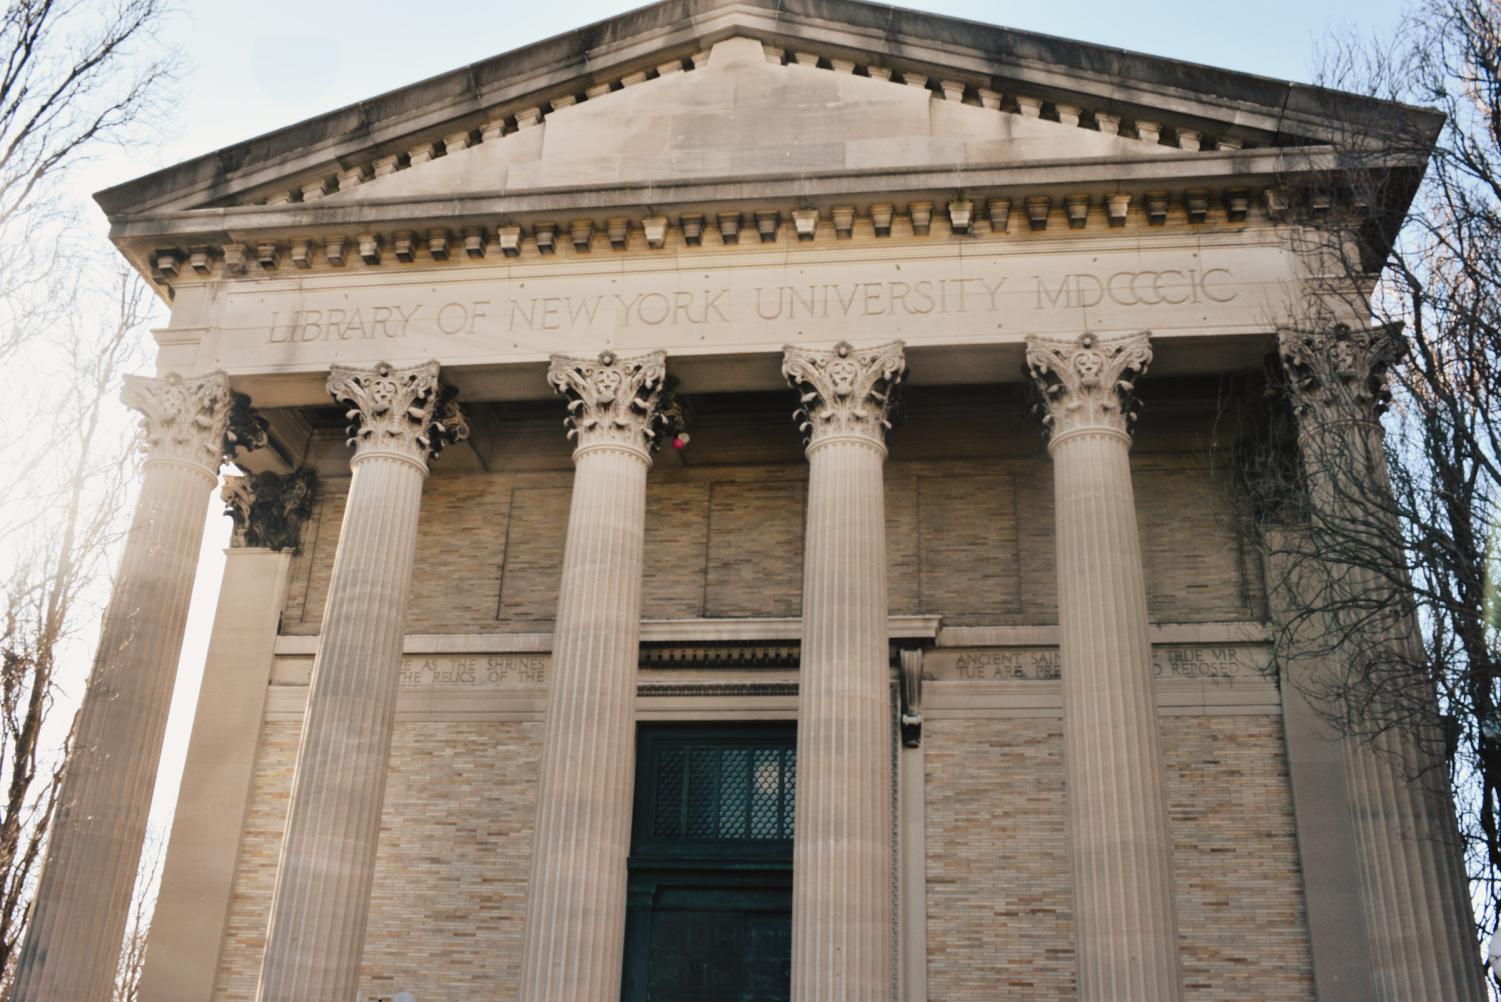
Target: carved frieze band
{"x": 398, "y": 412}
{"x": 1088, "y": 382}
{"x": 845, "y": 391}
{"x": 198, "y": 421}
{"x": 269, "y": 509}
{"x": 613, "y": 400}
{"x": 1340, "y": 373}
{"x": 719, "y": 654}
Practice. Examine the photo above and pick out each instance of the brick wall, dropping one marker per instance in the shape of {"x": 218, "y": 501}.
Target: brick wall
{"x": 1239, "y": 890}
{"x": 255, "y": 868}
{"x": 450, "y": 879}
{"x": 999, "y": 907}
{"x": 970, "y": 540}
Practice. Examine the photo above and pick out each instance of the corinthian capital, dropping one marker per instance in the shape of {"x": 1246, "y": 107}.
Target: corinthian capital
{"x": 845, "y": 391}
{"x": 197, "y": 422}
{"x": 612, "y": 399}
{"x": 269, "y": 509}
{"x": 1339, "y": 374}
{"x": 1088, "y": 382}
{"x": 405, "y": 413}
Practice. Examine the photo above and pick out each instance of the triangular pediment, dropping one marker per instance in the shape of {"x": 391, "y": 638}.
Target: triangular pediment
{"x": 757, "y": 110}
{"x": 1098, "y": 99}
{"x": 739, "y": 111}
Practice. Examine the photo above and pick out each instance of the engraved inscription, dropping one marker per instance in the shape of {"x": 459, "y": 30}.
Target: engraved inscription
{"x": 489, "y": 313}
{"x": 513, "y": 311}
{"x": 492, "y": 671}
{"x": 1170, "y": 662}
{"x": 1172, "y": 287}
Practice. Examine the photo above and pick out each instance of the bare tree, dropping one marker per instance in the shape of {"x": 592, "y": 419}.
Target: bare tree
{"x": 74, "y": 75}
{"x": 143, "y": 904}
{"x": 61, "y": 539}
{"x": 1390, "y": 544}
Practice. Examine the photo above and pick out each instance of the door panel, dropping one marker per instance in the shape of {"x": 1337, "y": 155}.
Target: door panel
{"x": 710, "y": 914}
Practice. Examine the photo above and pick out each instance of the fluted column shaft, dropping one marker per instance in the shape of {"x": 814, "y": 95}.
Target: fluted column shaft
{"x": 1412, "y": 874}
{"x": 1409, "y": 855}
{"x": 841, "y": 860}
{"x": 1125, "y": 926}
{"x": 1124, "y": 918}
{"x": 575, "y": 919}
{"x": 1411, "y": 866}
{"x": 841, "y": 866}
{"x": 320, "y": 906}
{"x": 576, "y": 896}
{"x": 82, "y": 900}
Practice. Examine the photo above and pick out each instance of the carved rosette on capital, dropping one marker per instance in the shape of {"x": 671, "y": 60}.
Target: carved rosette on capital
{"x": 195, "y": 422}
{"x": 268, "y": 509}
{"x": 1088, "y": 383}
{"x": 1339, "y": 374}
{"x": 845, "y": 392}
{"x": 613, "y": 400}
{"x": 398, "y": 413}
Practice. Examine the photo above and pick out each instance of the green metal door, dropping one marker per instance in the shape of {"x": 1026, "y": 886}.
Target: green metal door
{"x": 710, "y": 911}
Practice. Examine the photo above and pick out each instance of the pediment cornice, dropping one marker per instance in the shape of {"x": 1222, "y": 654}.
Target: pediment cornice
{"x": 1017, "y": 68}
{"x": 1170, "y": 131}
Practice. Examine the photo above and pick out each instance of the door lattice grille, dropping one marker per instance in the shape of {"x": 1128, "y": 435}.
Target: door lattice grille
{"x": 723, "y": 793}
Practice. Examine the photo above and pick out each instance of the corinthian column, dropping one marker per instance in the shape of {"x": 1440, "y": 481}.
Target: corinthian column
{"x": 575, "y": 905}
{"x": 841, "y": 858}
{"x": 1412, "y": 878}
{"x": 83, "y": 897}
{"x": 1125, "y": 929}
{"x": 399, "y": 419}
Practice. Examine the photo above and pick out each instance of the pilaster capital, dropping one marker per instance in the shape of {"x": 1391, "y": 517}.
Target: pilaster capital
{"x": 613, "y": 400}
{"x": 1088, "y": 383}
{"x": 269, "y": 509}
{"x": 1338, "y": 374}
{"x": 196, "y": 422}
{"x": 401, "y": 413}
{"x": 845, "y": 391}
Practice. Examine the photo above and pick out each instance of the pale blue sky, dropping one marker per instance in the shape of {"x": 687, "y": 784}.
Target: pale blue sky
{"x": 252, "y": 69}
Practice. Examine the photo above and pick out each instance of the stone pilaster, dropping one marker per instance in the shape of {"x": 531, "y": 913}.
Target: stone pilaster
{"x": 82, "y": 900}
{"x": 575, "y": 907}
{"x": 182, "y": 957}
{"x": 400, "y": 419}
{"x": 1412, "y": 879}
{"x": 842, "y": 863}
{"x": 1125, "y": 928}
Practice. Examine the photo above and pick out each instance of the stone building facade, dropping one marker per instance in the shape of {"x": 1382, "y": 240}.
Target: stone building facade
{"x": 955, "y": 686}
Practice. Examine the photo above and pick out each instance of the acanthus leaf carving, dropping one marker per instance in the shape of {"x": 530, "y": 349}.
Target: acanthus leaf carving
{"x": 612, "y": 399}
{"x": 245, "y": 430}
{"x": 1340, "y": 373}
{"x": 196, "y": 421}
{"x": 401, "y": 412}
{"x": 269, "y": 509}
{"x": 845, "y": 391}
{"x": 1088, "y": 382}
